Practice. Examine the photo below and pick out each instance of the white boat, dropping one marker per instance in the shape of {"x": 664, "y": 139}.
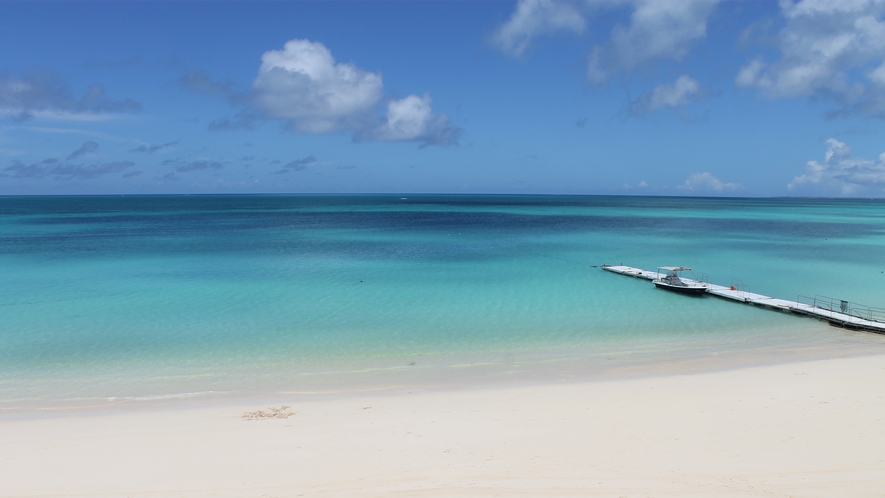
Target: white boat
{"x": 668, "y": 278}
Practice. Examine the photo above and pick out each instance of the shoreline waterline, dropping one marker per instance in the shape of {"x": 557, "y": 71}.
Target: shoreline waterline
{"x": 446, "y": 372}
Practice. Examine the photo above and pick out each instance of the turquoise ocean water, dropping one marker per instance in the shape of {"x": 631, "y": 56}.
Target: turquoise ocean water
{"x": 151, "y": 297}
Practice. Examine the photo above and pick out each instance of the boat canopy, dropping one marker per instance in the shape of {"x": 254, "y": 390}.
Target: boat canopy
{"x": 674, "y": 268}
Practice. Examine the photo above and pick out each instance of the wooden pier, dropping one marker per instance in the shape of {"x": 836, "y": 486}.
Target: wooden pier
{"x": 836, "y": 312}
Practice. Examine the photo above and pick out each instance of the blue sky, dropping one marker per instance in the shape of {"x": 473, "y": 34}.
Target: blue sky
{"x": 642, "y": 97}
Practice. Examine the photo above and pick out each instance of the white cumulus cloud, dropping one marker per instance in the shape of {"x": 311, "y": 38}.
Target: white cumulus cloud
{"x": 681, "y": 92}
{"x": 841, "y": 171}
{"x": 827, "y": 48}
{"x": 675, "y": 95}
{"x": 658, "y": 29}
{"x": 533, "y": 18}
{"x": 877, "y": 75}
{"x": 706, "y": 181}
{"x": 411, "y": 119}
{"x": 304, "y": 86}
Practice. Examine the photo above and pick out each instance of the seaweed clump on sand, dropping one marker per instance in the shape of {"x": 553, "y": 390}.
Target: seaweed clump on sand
{"x": 281, "y": 412}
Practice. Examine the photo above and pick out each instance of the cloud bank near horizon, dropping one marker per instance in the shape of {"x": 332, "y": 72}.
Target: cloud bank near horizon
{"x": 839, "y": 171}
{"x": 46, "y": 94}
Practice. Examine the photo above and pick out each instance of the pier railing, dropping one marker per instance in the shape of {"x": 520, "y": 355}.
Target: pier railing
{"x": 844, "y": 307}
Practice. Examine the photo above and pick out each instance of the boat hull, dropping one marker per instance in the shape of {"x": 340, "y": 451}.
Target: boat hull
{"x": 690, "y": 290}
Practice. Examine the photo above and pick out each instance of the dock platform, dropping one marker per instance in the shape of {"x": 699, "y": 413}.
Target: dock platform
{"x": 836, "y": 312}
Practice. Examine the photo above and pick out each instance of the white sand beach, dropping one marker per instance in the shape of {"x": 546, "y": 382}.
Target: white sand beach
{"x": 814, "y": 428}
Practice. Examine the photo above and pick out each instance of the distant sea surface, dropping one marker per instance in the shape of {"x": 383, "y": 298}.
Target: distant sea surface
{"x": 113, "y": 298}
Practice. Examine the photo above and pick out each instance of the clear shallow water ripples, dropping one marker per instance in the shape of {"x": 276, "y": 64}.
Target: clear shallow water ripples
{"x": 155, "y": 296}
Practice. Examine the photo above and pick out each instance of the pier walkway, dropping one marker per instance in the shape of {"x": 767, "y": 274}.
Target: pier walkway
{"x": 834, "y": 311}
